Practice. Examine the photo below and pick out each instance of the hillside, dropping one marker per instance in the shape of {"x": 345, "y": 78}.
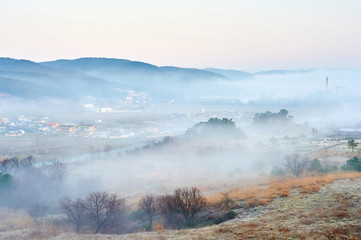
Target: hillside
{"x": 108, "y": 77}
{"x": 97, "y": 77}
{"x": 331, "y": 213}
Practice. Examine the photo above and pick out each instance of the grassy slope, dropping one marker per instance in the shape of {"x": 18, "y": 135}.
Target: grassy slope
{"x": 313, "y": 208}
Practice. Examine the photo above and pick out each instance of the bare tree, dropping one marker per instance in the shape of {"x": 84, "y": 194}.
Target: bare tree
{"x": 188, "y": 202}
{"x": 55, "y": 173}
{"x": 166, "y": 206}
{"x": 296, "y": 164}
{"x": 75, "y": 212}
{"x": 104, "y": 209}
{"x": 38, "y": 210}
{"x": 226, "y": 203}
{"x": 149, "y": 205}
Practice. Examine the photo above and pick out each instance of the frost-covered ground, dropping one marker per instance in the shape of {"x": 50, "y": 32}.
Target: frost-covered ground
{"x": 332, "y": 213}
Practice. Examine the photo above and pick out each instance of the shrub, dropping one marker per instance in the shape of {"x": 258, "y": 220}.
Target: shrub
{"x": 285, "y": 193}
{"x": 316, "y": 166}
{"x": 226, "y": 201}
{"x": 230, "y": 215}
{"x": 346, "y": 168}
{"x": 352, "y": 164}
{"x": 38, "y": 210}
{"x": 158, "y": 227}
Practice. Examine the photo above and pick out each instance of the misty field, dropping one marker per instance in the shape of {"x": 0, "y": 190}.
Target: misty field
{"x": 180, "y": 120}
{"x": 132, "y": 173}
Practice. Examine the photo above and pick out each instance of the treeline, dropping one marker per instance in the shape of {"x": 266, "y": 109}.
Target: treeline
{"x": 38, "y": 189}
{"x": 216, "y": 128}
{"x": 102, "y": 212}
{"x": 297, "y": 164}
{"x": 24, "y": 184}
{"x": 269, "y": 117}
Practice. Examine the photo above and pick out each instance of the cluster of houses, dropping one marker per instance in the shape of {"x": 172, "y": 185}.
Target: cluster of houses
{"x": 23, "y": 125}
{"x": 131, "y": 101}
{"x": 349, "y": 132}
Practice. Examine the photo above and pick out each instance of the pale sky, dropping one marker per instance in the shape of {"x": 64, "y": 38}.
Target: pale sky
{"x": 233, "y": 34}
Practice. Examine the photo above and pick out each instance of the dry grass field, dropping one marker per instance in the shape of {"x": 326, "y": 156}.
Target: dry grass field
{"x": 312, "y": 207}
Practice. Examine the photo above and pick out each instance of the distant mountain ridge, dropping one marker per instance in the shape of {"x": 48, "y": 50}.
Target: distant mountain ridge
{"x": 125, "y": 69}
{"x": 105, "y": 77}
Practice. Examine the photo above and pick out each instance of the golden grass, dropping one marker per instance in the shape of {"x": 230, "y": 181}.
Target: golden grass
{"x": 324, "y": 153}
{"x": 263, "y": 193}
{"x": 158, "y": 227}
{"x": 13, "y": 220}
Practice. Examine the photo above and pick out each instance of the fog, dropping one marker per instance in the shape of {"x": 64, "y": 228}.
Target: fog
{"x": 143, "y": 131}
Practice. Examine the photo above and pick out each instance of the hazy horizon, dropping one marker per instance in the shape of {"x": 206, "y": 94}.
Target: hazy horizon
{"x": 247, "y": 35}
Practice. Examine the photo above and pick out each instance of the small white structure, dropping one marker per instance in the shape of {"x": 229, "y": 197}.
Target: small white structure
{"x": 349, "y": 132}
{"x": 106, "y": 109}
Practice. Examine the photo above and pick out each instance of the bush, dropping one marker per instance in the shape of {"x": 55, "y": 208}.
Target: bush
{"x": 346, "y": 168}
{"x": 352, "y": 164}
{"x": 38, "y": 210}
{"x": 227, "y": 216}
{"x": 316, "y": 166}
{"x": 158, "y": 227}
{"x": 226, "y": 203}
{"x": 230, "y": 215}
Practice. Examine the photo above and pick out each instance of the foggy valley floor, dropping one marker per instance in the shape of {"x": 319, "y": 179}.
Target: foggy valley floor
{"x": 198, "y": 120}
{"x": 247, "y": 163}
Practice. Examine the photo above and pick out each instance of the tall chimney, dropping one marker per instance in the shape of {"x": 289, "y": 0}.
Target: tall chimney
{"x": 326, "y": 83}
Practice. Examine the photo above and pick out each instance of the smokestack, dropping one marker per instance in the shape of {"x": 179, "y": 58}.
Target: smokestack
{"x": 327, "y": 83}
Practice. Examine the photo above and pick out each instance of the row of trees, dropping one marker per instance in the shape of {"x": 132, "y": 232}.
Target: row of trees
{"x": 101, "y": 211}
{"x": 353, "y": 164}
{"x": 216, "y": 128}
{"x": 297, "y": 165}
{"x": 24, "y": 183}
{"x": 270, "y": 117}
